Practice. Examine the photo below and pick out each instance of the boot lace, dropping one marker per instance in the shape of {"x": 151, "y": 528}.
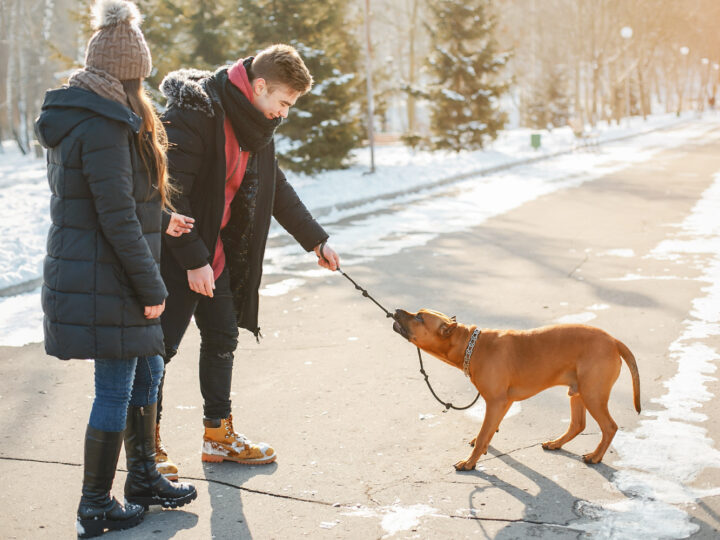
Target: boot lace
{"x": 232, "y": 435}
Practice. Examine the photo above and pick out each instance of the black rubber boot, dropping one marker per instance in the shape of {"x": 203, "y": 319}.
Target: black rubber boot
{"x": 98, "y": 511}
{"x": 145, "y": 485}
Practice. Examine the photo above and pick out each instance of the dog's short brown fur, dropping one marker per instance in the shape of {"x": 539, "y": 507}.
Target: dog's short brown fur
{"x": 512, "y": 365}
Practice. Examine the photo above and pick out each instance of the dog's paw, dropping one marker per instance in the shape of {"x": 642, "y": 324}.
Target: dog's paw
{"x": 550, "y": 445}
{"x": 464, "y": 465}
{"x": 591, "y": 459}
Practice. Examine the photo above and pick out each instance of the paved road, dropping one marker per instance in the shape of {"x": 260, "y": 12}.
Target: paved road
{"x": 365, "y": 451}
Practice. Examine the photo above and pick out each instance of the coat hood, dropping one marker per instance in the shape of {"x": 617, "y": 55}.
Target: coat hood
{"x": 65, "y": 108}
{"x": 184, "y": 89}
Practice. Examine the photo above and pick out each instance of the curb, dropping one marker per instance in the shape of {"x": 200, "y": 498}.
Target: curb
{"x": 324, "y": 210}
{"x": 20, "y": 288}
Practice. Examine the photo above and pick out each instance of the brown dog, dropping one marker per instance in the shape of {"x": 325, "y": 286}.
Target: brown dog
{"x": 512, "y": 365}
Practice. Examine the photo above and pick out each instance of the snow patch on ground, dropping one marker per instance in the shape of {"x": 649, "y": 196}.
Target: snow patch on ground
{"x": 618, "y": 253}
{"x": 669, "y": 450}
{"x": 576, "y": 318}
{"x": 21, "y": 320}
{"x": 396, "y": 518}
{"x": 637, "y": 277}
{"x": 477, "y": 411}
{"x": 281, "y": 287}
{"x": 584, "y": 317}
{"x": 25, "y": 216}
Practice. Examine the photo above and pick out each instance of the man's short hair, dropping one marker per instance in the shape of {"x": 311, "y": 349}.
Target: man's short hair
{"x": 281, "y": 64}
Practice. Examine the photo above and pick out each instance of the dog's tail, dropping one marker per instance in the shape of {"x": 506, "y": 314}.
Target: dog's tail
{"x": 632, "y": 366}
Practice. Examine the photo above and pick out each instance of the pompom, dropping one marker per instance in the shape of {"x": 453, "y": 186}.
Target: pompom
{"x": 111, "y": 12}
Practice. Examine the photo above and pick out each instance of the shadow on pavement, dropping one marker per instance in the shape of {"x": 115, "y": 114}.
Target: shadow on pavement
{"x": 225, "y": 487}
{"x": 161, "y": 524}
{"x": 548, "y": 513}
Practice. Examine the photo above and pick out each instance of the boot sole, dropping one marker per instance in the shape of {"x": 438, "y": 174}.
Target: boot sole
{"x": 212, "y": 458}
{"x": 95, "y": 527}
{"x": 147, "y": 502}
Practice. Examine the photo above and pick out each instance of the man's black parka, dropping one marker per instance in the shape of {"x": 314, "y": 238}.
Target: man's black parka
{"x": 194, "y": 121}
{"x": 103, "y": 246}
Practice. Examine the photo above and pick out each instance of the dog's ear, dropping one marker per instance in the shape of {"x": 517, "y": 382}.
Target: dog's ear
{"x": 453, "y": 318}
{"x": 446, "y": 330}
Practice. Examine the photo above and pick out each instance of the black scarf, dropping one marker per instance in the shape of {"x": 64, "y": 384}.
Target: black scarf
{"x": 252, "y": 129}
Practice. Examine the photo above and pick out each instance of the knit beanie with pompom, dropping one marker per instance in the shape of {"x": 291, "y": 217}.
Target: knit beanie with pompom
{"x": 118, "y": 46}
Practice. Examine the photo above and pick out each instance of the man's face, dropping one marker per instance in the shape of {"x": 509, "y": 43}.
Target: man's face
{"x": 275, "y": 103}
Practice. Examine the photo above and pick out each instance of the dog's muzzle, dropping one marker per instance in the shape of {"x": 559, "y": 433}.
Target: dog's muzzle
{"x": 397, "y": 325}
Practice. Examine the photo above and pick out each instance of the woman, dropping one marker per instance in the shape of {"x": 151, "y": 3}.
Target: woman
{"x": 102, "y": 294}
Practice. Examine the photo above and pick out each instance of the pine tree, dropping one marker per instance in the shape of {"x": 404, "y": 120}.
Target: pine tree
{"x": 465, "y": 69}
{"x": 548, "y": 104}
{"x": 201, "y": 34}
{"x": 325, "y": 124}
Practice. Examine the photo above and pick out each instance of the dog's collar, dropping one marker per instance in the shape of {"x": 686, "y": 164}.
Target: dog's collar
{"x": 469, "y": 351}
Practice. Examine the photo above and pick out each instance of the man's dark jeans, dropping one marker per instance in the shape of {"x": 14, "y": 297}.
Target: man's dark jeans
{"x": 215, "y": 317}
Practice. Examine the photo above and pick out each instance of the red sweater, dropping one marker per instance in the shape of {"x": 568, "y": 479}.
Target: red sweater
{"x": 235, "y": 163}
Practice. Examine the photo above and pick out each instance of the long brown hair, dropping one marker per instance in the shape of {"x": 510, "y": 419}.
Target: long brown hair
{"x": 153, "y": 147}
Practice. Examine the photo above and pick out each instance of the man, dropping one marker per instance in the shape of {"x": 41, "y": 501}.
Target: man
{"x": 222, "y": 158}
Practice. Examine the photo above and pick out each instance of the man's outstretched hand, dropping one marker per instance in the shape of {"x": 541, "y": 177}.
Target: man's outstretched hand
{"x": 333, "y": 260}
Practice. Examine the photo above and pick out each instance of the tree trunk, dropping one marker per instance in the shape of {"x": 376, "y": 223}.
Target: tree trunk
{"x": 642, "y": 92}
{"x": 579, "y": 109}
{"x": 10, "y": 75}
{"x": 412, "y": 35}
{"x": 23, "y": 90}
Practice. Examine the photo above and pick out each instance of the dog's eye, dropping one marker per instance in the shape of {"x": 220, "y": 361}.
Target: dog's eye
{"x": 418, "y": 317}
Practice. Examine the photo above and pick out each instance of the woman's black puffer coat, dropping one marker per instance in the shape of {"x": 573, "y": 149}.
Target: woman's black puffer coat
{"x": 103, "y": 246}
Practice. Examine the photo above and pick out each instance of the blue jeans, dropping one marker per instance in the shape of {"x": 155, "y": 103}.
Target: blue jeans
{"x": 123, "y": 382}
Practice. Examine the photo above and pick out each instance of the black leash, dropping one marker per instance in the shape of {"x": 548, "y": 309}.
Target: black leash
{"x": 389, "y": 315}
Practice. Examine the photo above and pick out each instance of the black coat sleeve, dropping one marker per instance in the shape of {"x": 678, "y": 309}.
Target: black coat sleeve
{"x": 165, "y": 221}
{"x": 292, "y": 214}
{"x": 185, "y": 163}
{"x": 107, "y": 166}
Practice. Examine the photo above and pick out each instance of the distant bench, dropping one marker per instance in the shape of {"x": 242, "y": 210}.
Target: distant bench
{"x": 585, "y": 137}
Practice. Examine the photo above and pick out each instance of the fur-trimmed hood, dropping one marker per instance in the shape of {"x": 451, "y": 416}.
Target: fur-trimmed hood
{"x": 184, "y": 88}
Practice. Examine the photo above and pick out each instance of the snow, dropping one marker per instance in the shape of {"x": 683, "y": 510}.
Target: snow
{"x": 338, "y": 80}
{"x": 24, "y": 221}
{"x": 395, "y": 518}
{"x": 477, "y": 411}
{"x": 452, "y": 95}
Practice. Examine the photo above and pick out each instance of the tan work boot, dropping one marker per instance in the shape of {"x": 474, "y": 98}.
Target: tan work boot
{"x": 164, "y": 465}
{"x": 221, "y": 443}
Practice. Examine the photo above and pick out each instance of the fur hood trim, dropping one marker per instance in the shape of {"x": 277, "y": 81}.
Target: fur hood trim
{"x": 183, "y": 89}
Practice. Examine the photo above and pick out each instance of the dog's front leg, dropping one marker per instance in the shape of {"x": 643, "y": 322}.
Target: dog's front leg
{"x": 494, "y": 413}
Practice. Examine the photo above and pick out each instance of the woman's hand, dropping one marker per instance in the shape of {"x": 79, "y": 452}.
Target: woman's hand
{"x": 153, "y": 312}
{"x": 179, "y": 224}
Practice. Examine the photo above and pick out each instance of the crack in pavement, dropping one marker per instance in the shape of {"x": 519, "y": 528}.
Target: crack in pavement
{"x": 578, "y": 266}
{"x": 518, "y": 520}
{"x": 197, "y": 478}
{"x": 346, "y": 506}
